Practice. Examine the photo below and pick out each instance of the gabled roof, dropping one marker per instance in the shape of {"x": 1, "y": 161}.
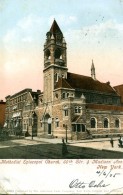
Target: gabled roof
{"x": 55, "y": 28}
{"x": 88, "y": 83}
{"x": 62, "y": 83}
{"x": 119, "y": 90}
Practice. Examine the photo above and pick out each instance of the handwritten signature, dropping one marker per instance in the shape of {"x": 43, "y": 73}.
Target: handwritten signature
{"x": 76, "y": 183}
{"x": 80, "y": 184}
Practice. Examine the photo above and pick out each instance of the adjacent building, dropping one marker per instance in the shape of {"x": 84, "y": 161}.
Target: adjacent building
{"x": 2, "y": 113}
{"x": 20, "y": 112}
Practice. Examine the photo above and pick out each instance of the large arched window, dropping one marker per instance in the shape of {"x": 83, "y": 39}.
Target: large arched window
{"x": 106, "y": 123}
{"x": 93, "y": 123}
{"x": 117, "y": 123}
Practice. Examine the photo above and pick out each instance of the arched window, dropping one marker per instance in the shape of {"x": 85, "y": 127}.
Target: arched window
{"x": 48, "y": 54}
{"x": 76, "y": 109}
{"x": 63, "y": 95}
{"x": 106, "y": 123}
{"x": 117, "y": 123}
{"x": 93, "y": 123}
{"x": 65, "y": 110}
{"x": 79, "y": 109}
{"x": 58, "y": 53}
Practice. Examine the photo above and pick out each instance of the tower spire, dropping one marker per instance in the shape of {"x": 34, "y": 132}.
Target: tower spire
{"x": 93, "y": 74}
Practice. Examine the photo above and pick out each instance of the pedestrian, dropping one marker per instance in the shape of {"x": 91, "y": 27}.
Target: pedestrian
{"x": 64, "y": 148}
{"x": 120, "y": 142}
{"x": 112, "y": 142}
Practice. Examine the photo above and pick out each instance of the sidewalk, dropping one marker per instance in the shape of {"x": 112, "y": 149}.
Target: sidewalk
{"x": 58, "y": 140}
{"x": 97, "y": 143}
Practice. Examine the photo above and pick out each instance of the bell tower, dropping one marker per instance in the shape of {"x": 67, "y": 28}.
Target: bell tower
{"x": 55, "y": 60}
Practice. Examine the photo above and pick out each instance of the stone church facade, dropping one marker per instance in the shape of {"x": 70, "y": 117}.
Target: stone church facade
{"x": 71, "y": 106}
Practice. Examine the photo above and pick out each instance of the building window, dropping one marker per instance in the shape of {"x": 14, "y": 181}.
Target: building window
{"x": 117, "y": 123}
{"x": 56, "y": 95}
{"x": 93, "y": 123}
{"x": 83, "y": 128}
{"x": 57, "y": 122}
{"x": 41, "y": 122}
{"x": 106, "y": 123}
{"x": 63, "y": 95}
{"x": 56, "y": 77}
{"x": 30, "y": 121}
{"x": 78, "y": 128}
{"x": 78, "y": 109}
{"x": 65, "y": 110}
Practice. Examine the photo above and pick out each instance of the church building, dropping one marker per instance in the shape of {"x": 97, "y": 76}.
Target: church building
{"x": 74, "y": 105}
{"x": 71, "y": 106}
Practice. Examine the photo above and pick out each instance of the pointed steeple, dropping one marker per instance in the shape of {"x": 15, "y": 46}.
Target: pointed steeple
{"x": 93, "y": 75}
{"x": 55, "y": 28}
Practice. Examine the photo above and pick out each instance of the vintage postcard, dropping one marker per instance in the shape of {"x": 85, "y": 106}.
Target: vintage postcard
{"x": 61, "y": 98}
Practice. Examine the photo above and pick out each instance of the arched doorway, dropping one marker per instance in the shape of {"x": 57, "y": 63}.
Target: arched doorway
{"x": 34, "y": 124}
{"x": 48, "y": 124}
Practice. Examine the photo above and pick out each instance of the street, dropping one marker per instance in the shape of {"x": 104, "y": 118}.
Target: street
{"x": 40, "y": 148}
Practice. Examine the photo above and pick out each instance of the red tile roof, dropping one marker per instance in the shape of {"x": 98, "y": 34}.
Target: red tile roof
{"x": 75, "y": 81}
{"x": 104, "y": 107}
{"x": 62, "y": 83}
{"x": 88, "y": 83}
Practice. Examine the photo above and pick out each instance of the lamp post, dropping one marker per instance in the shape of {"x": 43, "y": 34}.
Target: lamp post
{"x": 66, "y": 132}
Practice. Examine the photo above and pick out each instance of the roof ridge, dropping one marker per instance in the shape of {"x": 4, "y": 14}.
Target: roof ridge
{"x": 79, "y": 74}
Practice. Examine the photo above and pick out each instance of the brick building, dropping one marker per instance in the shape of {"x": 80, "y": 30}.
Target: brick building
{"x": 74, "y": 104}
{"x": 2, "y": 113}
{"x": 20, "y": 112}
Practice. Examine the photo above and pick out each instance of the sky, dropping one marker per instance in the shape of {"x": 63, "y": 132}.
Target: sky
{"x": 93, "y": 29}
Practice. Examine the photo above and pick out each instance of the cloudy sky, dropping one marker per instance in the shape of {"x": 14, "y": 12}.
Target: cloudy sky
{"x": 93, "y": 29}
